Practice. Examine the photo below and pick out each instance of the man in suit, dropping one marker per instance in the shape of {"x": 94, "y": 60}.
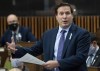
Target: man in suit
{"x": 94, "y": 53}
{"x": 15, "y": 30}
{"x": 68, "y": 55}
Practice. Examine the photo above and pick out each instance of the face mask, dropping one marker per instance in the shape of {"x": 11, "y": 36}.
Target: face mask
{"x": 13, "y": 26}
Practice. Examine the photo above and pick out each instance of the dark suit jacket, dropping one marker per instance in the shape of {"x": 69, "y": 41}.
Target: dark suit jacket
{"x": 25, "y": 33}
{"x": 75, "y": 50}
{"x": 96, "y": 60}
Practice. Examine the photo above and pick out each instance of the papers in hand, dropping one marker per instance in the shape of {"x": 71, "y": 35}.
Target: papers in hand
{"x": 31, "y": 59}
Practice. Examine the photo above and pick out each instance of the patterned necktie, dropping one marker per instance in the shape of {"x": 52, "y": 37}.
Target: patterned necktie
{"x": 61, "y": 44}
{"x": 14, "y": 35}
{"x": 90, "y": 55}
{"x": 89, "y": 61}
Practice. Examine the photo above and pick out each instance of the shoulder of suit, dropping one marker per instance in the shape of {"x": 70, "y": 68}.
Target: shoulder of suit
{"x": 54, "y": 30}
{"x": 21, "y": 28}
{"x": 78, "y": 29}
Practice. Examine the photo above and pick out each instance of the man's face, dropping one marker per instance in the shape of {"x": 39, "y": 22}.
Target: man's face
{"x": 94, "y": 43}
{"x": 64, "y": 16}
{"x": 12, "y": 22}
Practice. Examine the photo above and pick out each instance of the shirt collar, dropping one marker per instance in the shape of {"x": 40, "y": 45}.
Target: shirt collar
{"x": 60, "y": 29}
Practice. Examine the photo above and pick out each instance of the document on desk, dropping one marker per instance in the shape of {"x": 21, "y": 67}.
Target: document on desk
{"x": 28, "y": 58}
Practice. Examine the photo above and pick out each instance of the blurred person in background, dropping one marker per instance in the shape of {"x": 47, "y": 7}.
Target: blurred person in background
{"x": 94, "y": 52}
{"x": 16, "y": 31}
{"x": 19, "y": 33}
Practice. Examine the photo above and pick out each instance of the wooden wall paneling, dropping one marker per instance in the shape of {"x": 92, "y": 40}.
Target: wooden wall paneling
{"x": 39, "y": 26}
{"x": 55, "y": 23}
{"x": 43, "y": 23}
{"x": 75, "y": 19}
{"x": 19, "y": 18}
{"x": 50, "y": 22}
{"x": 1, "y": 26}
{"x": 98, "y": 22}
{"x": 5, "y": 23}
{"x": 26, "y": 21}
{"x": 36, "y": 28}
{"x": 91, "y": 22}
{"x": 94, "y": 23}
{"x": 82, "y": 21}
{"x": 29, "y": 22}
{"x": 47, "y": 23}
{"x": 23, "y": 21}
{"x": 33, "y": 25}
{"x": 79, "y": 21}
{"x": 88, "y": 22}
{"x": 85, "y": 23}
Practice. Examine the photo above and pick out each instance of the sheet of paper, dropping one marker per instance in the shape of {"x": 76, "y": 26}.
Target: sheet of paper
{"x": 31, "y": 59}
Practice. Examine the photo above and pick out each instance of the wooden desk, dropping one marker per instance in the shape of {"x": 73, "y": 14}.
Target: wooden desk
{"x": 32, "y": 67}
{"x": 3, "y": 56}
{"x": 93, "y": 68}
{"x": 26, "y": 44}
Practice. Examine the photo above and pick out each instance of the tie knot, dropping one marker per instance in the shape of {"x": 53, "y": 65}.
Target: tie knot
{"x": 63, "y": 31}
{"x": 91, "y": 55}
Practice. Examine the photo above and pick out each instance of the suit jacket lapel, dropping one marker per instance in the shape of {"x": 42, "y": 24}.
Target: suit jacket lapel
{"x": 69, "y": 37}
{"x": 8, "y": 37}
{"x": 53, "y": 38}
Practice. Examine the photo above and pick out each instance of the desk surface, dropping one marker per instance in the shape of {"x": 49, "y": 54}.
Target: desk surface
{"x": 93, "y": 68}
{"x": 26, "y": 44}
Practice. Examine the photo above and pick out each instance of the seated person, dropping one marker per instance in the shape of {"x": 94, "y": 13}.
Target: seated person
{"x": 18, "y": 32}
{"x": 94, "y": 53}
{"x": 15, "y": 30}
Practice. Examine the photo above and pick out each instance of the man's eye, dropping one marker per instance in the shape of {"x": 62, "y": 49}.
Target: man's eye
{"x": 61, "y": 13}
{"x": 67, "y": 13}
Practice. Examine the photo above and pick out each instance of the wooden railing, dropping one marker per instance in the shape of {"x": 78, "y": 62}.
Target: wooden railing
{"x": 93, "y": 68}
{"x": 39, "y": 24}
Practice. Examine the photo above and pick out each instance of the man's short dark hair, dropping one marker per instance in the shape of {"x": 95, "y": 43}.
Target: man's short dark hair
{"x": 63, "y": 4}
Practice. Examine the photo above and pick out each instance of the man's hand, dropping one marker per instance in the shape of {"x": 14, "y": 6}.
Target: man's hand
{"x": 11, "y": 46}
{"x": 51, "y": 64}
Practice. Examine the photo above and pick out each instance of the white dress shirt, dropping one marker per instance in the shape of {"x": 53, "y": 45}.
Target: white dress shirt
{"x": 57, "y": 40}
